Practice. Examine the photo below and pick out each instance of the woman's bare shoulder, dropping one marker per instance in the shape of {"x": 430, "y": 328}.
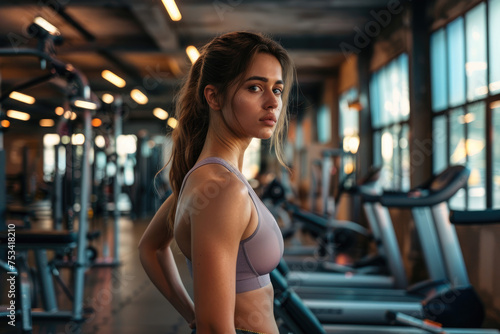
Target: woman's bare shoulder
{"x": 213, "y": 180}
{"x": 212, "y": 190}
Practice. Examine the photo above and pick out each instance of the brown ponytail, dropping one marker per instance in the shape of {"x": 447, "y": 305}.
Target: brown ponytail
{"x": 222, "y": 63}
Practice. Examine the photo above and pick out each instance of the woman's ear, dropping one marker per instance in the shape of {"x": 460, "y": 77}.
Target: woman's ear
{"x": 210, "y": 93}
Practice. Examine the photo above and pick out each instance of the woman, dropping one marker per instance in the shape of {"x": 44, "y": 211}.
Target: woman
{"x": 236, "y": 90}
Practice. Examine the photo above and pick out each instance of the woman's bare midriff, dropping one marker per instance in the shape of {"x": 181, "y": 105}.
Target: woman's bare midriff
{"x": 254, "y": 311}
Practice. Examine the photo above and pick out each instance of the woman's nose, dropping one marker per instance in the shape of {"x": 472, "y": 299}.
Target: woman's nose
{"x": 272, "y": 101}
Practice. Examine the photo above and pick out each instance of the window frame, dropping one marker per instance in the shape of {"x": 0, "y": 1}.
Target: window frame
{"x": 396, "y": 183}
{"x": 487, "y": 100}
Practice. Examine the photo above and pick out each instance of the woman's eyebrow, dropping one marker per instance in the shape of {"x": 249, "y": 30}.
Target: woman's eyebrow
{"x": 264, "y": 79}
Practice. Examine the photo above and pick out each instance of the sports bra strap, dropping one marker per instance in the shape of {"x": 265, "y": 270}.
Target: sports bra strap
{"x": 219, "y": 161}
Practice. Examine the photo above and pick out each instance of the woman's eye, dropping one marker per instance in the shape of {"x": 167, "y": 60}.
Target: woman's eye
{"x": 254, "y": 88}
{"x": 277, "y": 91}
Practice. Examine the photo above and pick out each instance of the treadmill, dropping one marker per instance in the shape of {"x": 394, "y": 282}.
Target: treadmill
{"x": 453, "y": 302}
{"x": 294, "y": 316}
{"x": 338, "y": 276}
{"x": 310, "y": 285}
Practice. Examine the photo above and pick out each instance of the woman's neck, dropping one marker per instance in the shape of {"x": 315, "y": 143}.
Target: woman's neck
{"x": 226, "y": 146}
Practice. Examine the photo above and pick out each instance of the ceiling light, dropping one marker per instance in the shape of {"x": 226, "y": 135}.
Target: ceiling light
{"x": 160, "y": 113}
{"x": 113, "y": 78}
{"x": 100, "y": 141}
{"x": 172, "y": 10}
{"x": 85, "y": 104}
{"x": 172, "y": 122}
{"x": 59, "y": 111}
{"x": 22, "y": 97}
{"x": 139, "y": 96}
{"x": 47, "y": 123}
{"x": 67, "y": 114}
{"x": 192, "y": 53}
{"x": 22, "y": 116}
{"x": 96, "y": 122}
{"x": 51, "y": 139}
{"x": 107, "y": 98}
{"x": 126, "y": 144}
{"x": 4, "y": 123}
{"x": 51, "y": 29}
{"x": 78, "y": 139}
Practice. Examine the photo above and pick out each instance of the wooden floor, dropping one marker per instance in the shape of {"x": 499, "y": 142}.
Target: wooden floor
{"x": 123, "y": 298}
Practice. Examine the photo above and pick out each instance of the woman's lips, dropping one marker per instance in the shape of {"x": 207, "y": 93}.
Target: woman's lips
{"x": 269, "y": 120}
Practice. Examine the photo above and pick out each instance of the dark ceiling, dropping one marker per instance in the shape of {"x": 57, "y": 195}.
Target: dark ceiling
{"x": 137, "y": 40}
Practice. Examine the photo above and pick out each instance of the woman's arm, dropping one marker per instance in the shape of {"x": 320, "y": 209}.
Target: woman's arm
{"x": 216, "y": 231}
{"x": 158, "y": 262}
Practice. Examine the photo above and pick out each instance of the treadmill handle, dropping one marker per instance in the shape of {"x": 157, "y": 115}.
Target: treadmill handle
{"x": 405, "y": 319}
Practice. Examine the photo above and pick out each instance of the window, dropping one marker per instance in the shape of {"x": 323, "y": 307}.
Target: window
{"x": 349, "y": 117}
{"x": 456, "y": 60}
{"x": 390, "y": 109}
{"x": 493, "y": 45}
{"x": 457, "y": 137}
{"x": 460, "y": 122}
{"x": 50, "y": 149}
{"x": 467, "y": 146}
{"x": 438, "y": 71}
{"x": 251, "y": 161}
{"x": 476, "y": 154}
{"x": 349, "y": 130}
{"x": 477, "y": 64}
{"x": 495, "y": 107}
{"x": 439, "y": 161}
{"x": 323, "y": 122}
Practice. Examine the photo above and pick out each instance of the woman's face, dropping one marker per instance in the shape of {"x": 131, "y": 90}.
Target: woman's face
{"x": 256, "y": 105}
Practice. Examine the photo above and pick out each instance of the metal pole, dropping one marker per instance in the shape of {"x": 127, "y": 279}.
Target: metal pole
{"x": 81, "y": 260}
{"x": 25, "y": 177}
{"x": 326, "y": 167}
{"x": 118, "y": 120}
{"x": 58, "y": 211}
{"x": 452, "y": 253}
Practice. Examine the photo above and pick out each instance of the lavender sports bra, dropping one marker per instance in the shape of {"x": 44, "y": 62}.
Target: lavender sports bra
{"x": 261, "y": 252}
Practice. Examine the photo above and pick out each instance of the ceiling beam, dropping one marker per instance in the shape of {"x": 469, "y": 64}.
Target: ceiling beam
{"x": 127, "y": 68}
{"x": 311, "y": 4}
{"x": 309, "y": 42}
{"x": 336, "y": 4}
{"x": 153, "y": 19}
{"x": 117, "y": 44}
